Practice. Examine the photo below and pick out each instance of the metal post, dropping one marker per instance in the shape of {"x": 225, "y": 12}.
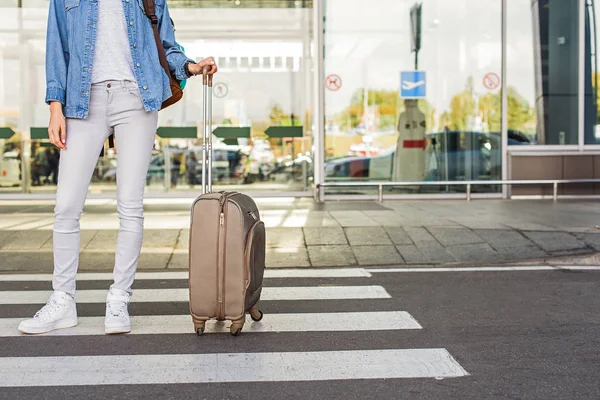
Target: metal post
{"x": 555, "y": 191}
{"x": 504, "y": 102}
{"x": 319, "y": 101}
{"x": 581, "y": 76}
{"x": 380, "y": 193}
{"x": 468, "y": 192}
{"x": 317, "y": 193}
{"x": 167, "y": 164}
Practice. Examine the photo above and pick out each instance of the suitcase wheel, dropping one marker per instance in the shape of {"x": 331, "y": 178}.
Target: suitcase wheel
{"x": 256, "y": 315}
{"x": 199, "y": 327}
{"x": 236, "y": 328}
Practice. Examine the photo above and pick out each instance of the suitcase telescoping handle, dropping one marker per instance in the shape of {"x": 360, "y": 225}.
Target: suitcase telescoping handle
{"x": 207, "y": 83}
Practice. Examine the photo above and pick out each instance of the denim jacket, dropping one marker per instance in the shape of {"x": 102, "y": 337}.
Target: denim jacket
{"x": 70, "y": 44}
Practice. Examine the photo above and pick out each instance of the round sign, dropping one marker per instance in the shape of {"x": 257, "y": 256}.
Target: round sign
{"x": 333, "y": 82}
{"x": 491, "y": 81}
{"x": 220, "y": 90}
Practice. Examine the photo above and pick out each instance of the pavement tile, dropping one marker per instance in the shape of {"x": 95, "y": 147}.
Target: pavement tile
{"x": 434, "y": 252}
{"x": 454, "y": 236}
{"x": 398, "y": 235}
{"x": 84, "y": 239}
{"x": 386, "y": 217}
{"x": 40, "y": 223}
{"x": 591, "y": 239}
{"x": 331, "y": 256}
{"x": 411, "y": 254}
{"x": 13, "y": 221}
{"x": 287, "y": 257}
{"x": 367, "y": 236}
{"x": 178, "y": 261}
{"x": 377, "y": 255}
{"x": 474, "y": 252}
{"x": 100, "y": 261}
{"x": 555, "y": 241}
{"x": 26, "y": 240}
{"x": 160, "y": 237}
{"x": 30, "y": 261}
{"x": 154, "y": 260}
{"x": 295, "y": 219}
{"x": 323, "y": 236}
{"x": 500, "y": 239}
{"x": 183, "y": 241}
{"x": 574, "y": 252}
{"x": 104, "y": 239}
{"x": 285, "y": 237}
{"x": 521, "y": 253}
{"x": 419, "y": 235}
{"x": 320, "y": 219}
{"x": 529, "y": 226}
{"x": 481, "y": 223}
{"x": 353, "y": 218}
{"x": 106, "y": 260}
{"x": 4, "y": 235}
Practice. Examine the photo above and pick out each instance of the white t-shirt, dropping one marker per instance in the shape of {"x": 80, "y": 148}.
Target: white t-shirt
{"x": 112, "y": 55}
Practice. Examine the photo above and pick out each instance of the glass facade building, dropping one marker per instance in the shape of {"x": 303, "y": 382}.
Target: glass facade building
{"x": 347, "y": 91}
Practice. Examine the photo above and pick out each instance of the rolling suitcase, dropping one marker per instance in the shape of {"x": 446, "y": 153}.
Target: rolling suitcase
{"x": 226, "y": 246}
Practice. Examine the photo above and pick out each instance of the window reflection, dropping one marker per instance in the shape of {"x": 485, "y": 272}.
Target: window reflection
{"x": 439, "y": 122}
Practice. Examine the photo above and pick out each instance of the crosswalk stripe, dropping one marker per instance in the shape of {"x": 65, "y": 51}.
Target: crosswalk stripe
{"x": 504, "y": 268}
{"x": 235, "y": 367}
{"x": 269, "y": 273}
{"x": 175, "y": 324}
{"x": 182, "y": 295}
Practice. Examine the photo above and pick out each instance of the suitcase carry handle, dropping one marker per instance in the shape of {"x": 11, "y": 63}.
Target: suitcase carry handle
{"x": 207, "y": 83}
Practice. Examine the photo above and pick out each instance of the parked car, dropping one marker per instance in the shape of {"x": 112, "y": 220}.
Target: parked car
{"x": 452, "y": 155}
{"x": 225, "y": 165}
{"x": 10, "y": 169}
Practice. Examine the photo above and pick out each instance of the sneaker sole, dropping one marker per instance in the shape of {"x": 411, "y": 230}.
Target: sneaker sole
{"x": 60, "y": 325}
{"x": 117, "y": 330}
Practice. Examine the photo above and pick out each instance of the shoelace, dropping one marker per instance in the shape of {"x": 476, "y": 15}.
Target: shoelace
{"x": 48, "y": 310}
{"x": 117, "y": 309}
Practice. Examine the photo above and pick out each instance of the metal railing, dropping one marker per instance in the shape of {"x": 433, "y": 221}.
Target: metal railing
{"x": 468, "y": 184}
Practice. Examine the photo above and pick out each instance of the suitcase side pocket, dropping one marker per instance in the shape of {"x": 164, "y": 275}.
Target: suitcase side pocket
{"x": 255, "y": 262}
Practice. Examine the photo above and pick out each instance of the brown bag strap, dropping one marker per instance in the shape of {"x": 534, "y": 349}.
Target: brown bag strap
{"x": 150, "y": 11}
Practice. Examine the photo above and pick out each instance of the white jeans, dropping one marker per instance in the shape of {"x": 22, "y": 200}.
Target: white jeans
{"x": 115, "y": 106}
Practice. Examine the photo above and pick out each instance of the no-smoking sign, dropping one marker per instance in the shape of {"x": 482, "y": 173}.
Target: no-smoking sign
{"x": 333, "y": 82}
{"x": 491, "y": 81}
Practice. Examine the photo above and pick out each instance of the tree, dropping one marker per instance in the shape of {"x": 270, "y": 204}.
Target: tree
{"x": 276, "y": 115}
{"x": 596, "y": 78}
{"x": 464, "y": 106}
{"x": 389, "y": 106}
{"x": 280, "y": 118}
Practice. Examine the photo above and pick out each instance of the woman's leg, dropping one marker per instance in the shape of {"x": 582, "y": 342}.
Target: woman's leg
{"x": 135, "y": 131}
{"x": 85, "y": 139}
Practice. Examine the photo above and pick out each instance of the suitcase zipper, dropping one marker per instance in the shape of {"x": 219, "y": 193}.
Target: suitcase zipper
{"x": 222, "y": 234}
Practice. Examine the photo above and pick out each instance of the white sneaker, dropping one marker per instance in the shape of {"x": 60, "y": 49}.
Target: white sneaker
{"x": 60, "y": 312}
{"x": 117, "y": 316}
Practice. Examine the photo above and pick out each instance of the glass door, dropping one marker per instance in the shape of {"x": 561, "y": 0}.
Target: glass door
{"x": 262, "y": 100}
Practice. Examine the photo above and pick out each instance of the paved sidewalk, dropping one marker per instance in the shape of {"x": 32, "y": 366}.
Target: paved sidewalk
{"x": 301, "y": 233}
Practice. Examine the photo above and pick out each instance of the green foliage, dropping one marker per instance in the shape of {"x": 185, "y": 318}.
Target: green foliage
{"x": 463, "y": 109}
{"x": 280, "y": 118}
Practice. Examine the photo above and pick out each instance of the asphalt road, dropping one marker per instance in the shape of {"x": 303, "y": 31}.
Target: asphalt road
{"x": 509, "y": 335}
